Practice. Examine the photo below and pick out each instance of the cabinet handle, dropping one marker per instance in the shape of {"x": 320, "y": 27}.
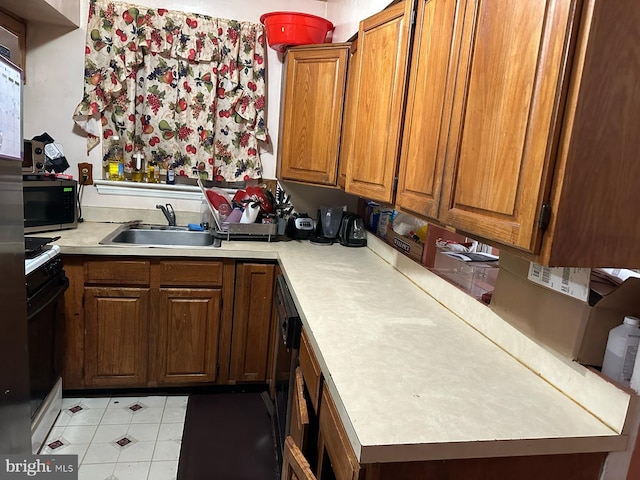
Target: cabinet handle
{"x": 545, "y": 216}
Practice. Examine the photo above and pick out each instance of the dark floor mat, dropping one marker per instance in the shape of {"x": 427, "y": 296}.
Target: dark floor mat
{"x": 227, "y": 436}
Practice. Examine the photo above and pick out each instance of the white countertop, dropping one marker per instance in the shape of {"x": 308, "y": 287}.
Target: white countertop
{"x": 411, "y": 380}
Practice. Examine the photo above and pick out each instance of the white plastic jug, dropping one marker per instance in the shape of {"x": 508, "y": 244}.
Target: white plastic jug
{"x": 622, "y": 349}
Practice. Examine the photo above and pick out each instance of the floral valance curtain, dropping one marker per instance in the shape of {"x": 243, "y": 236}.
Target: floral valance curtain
{"x": 184, "y": 88}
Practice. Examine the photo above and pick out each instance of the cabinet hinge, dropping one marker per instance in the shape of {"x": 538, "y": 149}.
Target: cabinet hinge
{"x": 412, "y": 20}
{"x": 395, "y": 184}
{"x": 545, "y": 216}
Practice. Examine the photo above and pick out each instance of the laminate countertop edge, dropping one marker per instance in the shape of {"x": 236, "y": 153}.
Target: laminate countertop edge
{"x": 346, "y": 300}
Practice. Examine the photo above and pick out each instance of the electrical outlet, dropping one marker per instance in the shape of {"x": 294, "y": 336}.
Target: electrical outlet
{"x": 85, "y": 173}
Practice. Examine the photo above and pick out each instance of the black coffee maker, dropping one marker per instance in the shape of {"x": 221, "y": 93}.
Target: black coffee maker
{"x": 352, "y": 232}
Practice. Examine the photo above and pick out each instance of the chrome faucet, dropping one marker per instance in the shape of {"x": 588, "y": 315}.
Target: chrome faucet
{"x": 169, "y": 213}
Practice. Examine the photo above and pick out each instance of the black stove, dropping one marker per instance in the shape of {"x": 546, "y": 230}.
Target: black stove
{"x": 45, "y": 283}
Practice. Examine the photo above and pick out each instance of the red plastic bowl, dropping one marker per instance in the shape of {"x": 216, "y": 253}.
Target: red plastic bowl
{"x": 294, "y": 28}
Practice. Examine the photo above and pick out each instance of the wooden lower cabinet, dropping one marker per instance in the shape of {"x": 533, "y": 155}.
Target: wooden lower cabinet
{"x": 336, "y": 458}
{"x": 582, "y": 466}
{"x": 189, "y": 325}
{"x": 116, "y": 346}
{"x": 134, "y": 322}
{"x": 253, "y": 319}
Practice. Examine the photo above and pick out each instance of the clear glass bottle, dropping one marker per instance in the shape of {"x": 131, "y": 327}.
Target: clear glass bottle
{"x": 171, "y": 174}
{"x": 115, "y": 159}
{"x": 138, "y": 171}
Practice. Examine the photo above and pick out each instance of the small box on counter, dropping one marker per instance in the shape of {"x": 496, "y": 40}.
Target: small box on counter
{"x": 574, "y": 327}
{"x": 410, "y": 248}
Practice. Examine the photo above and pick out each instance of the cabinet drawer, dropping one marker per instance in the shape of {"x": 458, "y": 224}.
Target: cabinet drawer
{"x": 310, "y": 370}
{"x": 117, "y": 272}
{"x": 344, "y": 464}
{"x": 299, "y": 414}
{"x": 190, "y": 273}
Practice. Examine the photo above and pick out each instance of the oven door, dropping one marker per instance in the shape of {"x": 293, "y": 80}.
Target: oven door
{"x": 46, "y": 337}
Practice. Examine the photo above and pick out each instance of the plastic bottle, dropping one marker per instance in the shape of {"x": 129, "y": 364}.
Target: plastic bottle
{"x": 153, "y": 172}
{"x": 205, "y": 215}
{"x": 115, "y": 160}
{"x": 622, "y": 348}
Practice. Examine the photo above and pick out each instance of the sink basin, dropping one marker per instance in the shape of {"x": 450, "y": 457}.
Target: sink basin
{"x": 159, "y": 235}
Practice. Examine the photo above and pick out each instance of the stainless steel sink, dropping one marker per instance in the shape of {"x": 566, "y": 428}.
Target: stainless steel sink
{"x": 158, "y": 235}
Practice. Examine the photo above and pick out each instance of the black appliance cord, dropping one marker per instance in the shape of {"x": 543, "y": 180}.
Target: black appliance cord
{"x": 80, "y": 219}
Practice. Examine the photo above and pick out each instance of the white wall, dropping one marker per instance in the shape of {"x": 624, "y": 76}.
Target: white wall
{"x": 55, "y": 64}
{"x": 346, "y": 15}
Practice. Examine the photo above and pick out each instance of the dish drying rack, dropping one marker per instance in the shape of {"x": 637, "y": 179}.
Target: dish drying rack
{"x": 238, "y": 231}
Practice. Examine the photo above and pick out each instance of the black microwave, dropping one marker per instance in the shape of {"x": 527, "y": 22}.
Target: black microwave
{"x": 49, "y": 204}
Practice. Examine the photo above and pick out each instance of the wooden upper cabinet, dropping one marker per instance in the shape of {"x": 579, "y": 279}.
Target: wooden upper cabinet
{"x": 314, "y": 89}
{"x": 346, "y": 140}
{"x": 379, "y": 97}
{"x": 14, "y": 38}
{"x": 520, "y": 127}
{"x": 595, "y": 213}
{"x": 427, "y": 118}
{"x": 508, "y": 93}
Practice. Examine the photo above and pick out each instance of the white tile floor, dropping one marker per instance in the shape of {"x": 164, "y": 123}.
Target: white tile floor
{"x": 121, "y": 438}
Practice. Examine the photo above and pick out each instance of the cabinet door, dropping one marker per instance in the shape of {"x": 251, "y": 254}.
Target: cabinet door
{"x": 252, "y": 322}
{"x": 335, "y": 453}
{"x": 509, "y": 89}
{"x": 299, "y": 413}
{"x": 346, "y": 140}
{"x": 312, "y": 114}
{"x": 383, "y": 46}
{"x": 18, "y": 44}
{"x": 188, "y": 331}
{"x": 310, "y": 370}
{"x": 427, "y": 118}
{"x": 116, "y": 339}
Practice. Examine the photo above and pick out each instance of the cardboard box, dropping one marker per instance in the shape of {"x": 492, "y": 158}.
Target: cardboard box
{"x": 407, "y": 246}
{"x": 570, "y": 326}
